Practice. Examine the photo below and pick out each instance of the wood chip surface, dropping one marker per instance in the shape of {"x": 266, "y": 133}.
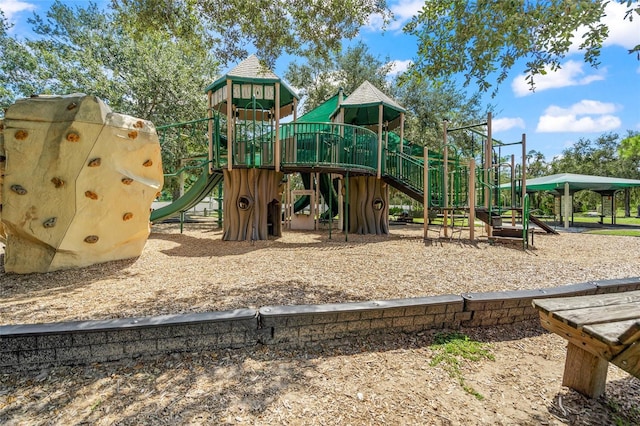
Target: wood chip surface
{"x": 373, "y": 381}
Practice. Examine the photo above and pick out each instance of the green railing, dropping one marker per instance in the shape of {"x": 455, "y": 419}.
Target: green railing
{"x": 254, "y": 144}
{"x": 328, "y": 145}
{"x": 405, "y": 169}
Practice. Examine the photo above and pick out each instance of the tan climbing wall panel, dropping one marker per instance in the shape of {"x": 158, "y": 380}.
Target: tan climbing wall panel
{"x": 79, "y": 183}
{"x": 2, "y": 167}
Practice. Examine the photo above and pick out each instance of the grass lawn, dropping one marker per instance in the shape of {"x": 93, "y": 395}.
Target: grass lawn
{"x": 616, "y": 232}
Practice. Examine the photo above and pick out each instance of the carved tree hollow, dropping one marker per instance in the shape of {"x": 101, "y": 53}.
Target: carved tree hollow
{"x": 368, "y": 206}
{"x": 252, "y": 204}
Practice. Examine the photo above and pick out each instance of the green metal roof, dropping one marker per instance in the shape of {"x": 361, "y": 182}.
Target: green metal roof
{"x": 361, "y": 107}
{"x": 579, "y": 182}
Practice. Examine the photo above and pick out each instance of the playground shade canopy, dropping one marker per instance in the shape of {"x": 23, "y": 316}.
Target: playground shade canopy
{"x": 253, "y": 80}
{"x": 362, "y": 107}
{"x": 579, "y": 182}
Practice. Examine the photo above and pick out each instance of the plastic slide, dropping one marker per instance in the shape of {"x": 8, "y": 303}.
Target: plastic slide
{"x": 200, "y": 189}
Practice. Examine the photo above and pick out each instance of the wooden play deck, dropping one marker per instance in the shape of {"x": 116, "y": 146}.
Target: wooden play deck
{"x": 600, "y": 329}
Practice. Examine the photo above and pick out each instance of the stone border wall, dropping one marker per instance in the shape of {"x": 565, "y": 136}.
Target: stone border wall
{"x": 33, "y": 346}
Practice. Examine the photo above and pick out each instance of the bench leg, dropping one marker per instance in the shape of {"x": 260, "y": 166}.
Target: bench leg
{"x": 584, "y": 372}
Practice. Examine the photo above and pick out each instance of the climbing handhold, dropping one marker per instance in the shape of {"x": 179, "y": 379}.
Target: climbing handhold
{"x": 127, "y": 181}
{"x": 158, "y": 194}
{"x": 57, "y": 182}
{"x": 94, "y": 163}
{"x": 73, "y": 137}
{"x": 18, "y": 189}
{"x": 91, "y": 239}
{"x": 21, "y": 135}
{"x": 148, "y": 163}
{"x": 90, "y": 194}
{"x": 50, "y": 223}
{"x": 127, "y": 216}
{"x": 71, "y": 106}
{"x": 132, "y": 134}
{"x": 138, "y": 124}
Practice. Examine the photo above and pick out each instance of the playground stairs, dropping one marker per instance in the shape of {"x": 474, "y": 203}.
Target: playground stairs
{"x": 490, "y": 217}
{"x": 406, "y": 187}
{"x": 542, "y": 225}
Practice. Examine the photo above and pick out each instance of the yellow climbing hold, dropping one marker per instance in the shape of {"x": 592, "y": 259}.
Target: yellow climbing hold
{"x": 91, "y": 194}
{"x": 95, "y": 162}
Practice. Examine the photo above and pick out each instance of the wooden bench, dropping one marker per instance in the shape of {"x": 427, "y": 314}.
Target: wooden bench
{"x": 600, "y": 329}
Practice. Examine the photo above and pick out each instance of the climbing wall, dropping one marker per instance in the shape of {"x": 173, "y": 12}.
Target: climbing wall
{"x": 78, "y": 184}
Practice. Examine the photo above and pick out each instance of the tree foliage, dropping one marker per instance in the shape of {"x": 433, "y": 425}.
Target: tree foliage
{"x": 429, "y": 104}
{"x": 156, "y": 77}
{"x": 320, "y": 78}
{"x": 312, "y": 28}
{"x": 480, "y": 38}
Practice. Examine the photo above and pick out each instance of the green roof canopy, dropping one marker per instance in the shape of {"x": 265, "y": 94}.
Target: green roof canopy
{"x": 361, "y": 107}
{"x": 579, "y": 182}
{"x": 251, "y": 79}
{"x": 321, "y": 113}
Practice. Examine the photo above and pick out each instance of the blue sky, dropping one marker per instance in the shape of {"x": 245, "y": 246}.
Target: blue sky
{"x": 572, "y": 103}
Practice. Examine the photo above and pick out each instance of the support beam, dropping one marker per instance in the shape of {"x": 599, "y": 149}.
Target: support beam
{"x": 277, "y": 114}
{"x": 210, "y": 128}
{"x": 567, "y": 205}
{"x": 380, "y": 117}
{"x": 230, "y": 122}
{"x": 425, "y": 193}
{"x": 472, "y": 199}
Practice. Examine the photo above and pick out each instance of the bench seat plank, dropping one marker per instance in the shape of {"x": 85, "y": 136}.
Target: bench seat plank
{"x": 568, "y": 303}
{"x": 578, "y": 318}
{"x": 613, "y": 333}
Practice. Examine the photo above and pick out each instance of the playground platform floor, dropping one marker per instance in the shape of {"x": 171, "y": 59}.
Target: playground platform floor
{"x": 196, "y": 271}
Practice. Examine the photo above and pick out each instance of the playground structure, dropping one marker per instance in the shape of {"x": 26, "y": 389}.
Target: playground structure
{"x": 61, "y": 207}
{"x": 348, "y": 157}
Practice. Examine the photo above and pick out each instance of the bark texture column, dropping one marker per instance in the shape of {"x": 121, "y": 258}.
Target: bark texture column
{"x": 252, "y": 204}
{"x": 368, "y": 205}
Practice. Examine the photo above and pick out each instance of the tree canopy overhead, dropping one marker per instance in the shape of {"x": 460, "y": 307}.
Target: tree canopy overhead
{"x": 480, "y": 38}
{"x": 298, "y": 27}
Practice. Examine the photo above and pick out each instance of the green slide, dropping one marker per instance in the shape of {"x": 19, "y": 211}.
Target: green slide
{"x": 203, "y": 186}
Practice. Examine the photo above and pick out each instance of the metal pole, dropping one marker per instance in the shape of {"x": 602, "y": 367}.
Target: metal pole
{"x": 425, "y": 193}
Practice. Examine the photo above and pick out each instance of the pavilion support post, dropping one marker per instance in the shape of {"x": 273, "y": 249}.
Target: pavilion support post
{"x": 567, "y": 205}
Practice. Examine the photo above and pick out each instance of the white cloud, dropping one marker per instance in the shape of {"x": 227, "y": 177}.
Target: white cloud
{"x": 13, "y": 7}
{"x": 398, "y": 67}
{"x": 402, "y": 11}
{"x": 585, "y": 116}
{"x": 506, "y": 123}
{"x": 622, "y": 32}
{"x": 571, "y": 73}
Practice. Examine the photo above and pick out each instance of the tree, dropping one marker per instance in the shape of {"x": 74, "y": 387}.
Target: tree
{"x": 299, "y": 27}
{"x": 320, "y": 78}
{"x": 428, "y": 105}
{"x": 480, "y": 38}
{"x": 157, "y": 76}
